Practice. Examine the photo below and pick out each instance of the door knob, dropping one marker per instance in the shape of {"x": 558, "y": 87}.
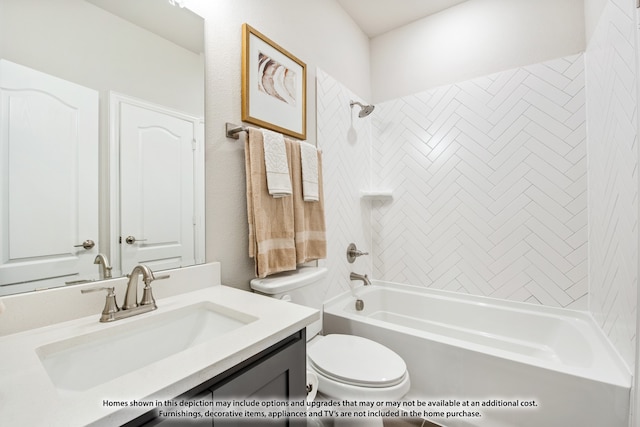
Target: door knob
{"x": 131, "y": 240}
{"x": 87, "y": 244}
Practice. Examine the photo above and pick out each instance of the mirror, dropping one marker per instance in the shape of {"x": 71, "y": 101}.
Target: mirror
{"x": 147, "y": 50}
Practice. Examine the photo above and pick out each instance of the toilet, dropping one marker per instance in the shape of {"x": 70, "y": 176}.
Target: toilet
{"x": 347, "y": 366}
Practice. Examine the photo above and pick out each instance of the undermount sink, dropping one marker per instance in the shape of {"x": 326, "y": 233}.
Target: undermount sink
{"x": 85, "y": 361}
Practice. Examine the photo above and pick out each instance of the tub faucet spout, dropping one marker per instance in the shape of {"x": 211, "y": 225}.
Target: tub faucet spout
{"x": 363, "y": 277}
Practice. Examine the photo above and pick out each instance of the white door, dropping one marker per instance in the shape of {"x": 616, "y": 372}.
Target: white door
{"x": 157, "y": 170}
{"x": 48, "y": 180}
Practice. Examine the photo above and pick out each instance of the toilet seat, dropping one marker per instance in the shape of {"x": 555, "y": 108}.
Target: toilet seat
{"x": 357, "y": 361}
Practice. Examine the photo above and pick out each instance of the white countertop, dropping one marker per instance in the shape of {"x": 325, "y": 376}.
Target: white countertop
{"x": 29, "y": 398}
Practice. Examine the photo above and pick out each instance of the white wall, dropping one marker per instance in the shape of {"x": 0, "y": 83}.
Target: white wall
{"x": 82, "y": 43}
{"x": 472, "y": 39}
{"x": 592, "y": 12}
{"x": 613, "y": 182}
{"x": 489, "y": 180}
{"x": 346, "y": 143}
{"x": 320, "y": 34}
{"x": 612, "y": 108}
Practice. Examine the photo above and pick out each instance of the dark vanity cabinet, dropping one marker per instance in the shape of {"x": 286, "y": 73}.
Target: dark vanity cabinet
{"x": 276, "y": 374}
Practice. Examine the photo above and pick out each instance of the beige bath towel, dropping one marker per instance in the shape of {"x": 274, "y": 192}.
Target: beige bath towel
{"x": 271, "y": 220}
{"x": 310, "y": 230}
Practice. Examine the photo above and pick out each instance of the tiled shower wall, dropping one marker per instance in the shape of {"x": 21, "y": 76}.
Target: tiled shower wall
{"x": 613, "y": 166}
{"x": 489, "y": 186}
{"x": 489, "y": 181}
{"x": 345, "y": 141}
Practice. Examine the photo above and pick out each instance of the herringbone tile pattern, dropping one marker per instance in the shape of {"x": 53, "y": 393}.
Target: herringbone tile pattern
{"x": 345, "y": 141}
{"x": 613, "y": 184}
{"x": 490, "y": 189}
{"x": 490, "y": 183}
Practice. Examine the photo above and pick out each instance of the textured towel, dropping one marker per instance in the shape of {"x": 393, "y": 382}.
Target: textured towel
{"x": 309, "y": 222}
{"x": 271, "y": 222}
{"x": 309, "y": 156}
{"x": 277, "y": 164}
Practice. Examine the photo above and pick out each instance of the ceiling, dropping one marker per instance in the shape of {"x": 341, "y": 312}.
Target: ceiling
{"x": 375, "y": 17}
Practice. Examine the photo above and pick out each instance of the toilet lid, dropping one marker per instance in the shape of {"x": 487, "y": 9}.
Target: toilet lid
{"x": 356, "y": 360}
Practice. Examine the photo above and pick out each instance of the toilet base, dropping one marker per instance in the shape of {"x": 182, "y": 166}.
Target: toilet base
{"x": 343, "y": 421}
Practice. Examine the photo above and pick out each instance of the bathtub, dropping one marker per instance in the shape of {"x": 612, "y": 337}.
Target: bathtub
{"x": 469, "y": 350}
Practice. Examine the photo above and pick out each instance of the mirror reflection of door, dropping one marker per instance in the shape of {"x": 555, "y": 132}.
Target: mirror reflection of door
{"x": 148, "y": 49}
{"x": 158, "y": 157}
{"x": 48, "y": 180}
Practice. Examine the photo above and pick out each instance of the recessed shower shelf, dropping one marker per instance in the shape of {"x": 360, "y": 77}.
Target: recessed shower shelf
{"x": 376, "y": 194}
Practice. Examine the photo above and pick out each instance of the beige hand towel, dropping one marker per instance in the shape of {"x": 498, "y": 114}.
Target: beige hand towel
{"x": 271, "y": 222}
{"x": 309, "y": 221}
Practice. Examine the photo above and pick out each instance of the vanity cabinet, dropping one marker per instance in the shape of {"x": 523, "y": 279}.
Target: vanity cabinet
{"x": 277, "y": 373}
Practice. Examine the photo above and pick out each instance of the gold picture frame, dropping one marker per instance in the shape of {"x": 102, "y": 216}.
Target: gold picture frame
{"x": 274, "y": 86}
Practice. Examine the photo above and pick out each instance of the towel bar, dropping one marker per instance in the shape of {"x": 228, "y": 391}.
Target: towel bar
{"x": 233, "y": 131}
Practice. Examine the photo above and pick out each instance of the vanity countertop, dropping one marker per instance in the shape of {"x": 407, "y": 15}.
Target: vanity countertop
{"x": 29, "y": 398}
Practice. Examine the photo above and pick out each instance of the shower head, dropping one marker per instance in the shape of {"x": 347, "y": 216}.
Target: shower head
{"x": 365, "y": 110}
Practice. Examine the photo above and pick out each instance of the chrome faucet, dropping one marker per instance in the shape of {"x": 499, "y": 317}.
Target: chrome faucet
{"x": 363, "y": 277}
{"x": 131, "y": 307}
{"x": 105, "y": 269}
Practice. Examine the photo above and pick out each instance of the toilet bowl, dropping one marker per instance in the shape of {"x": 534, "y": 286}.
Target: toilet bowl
{"x": 356, "y": 368}
{"x": 348, "y": 367}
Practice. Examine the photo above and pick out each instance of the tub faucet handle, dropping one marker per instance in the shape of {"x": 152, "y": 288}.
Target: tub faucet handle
{"x": 353, "y": 252}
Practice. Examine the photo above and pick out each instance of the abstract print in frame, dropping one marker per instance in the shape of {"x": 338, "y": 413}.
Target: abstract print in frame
{"x": 274, "y": 91}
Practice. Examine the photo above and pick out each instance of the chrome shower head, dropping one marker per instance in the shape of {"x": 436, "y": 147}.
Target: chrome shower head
{"x": 365, "y": 110}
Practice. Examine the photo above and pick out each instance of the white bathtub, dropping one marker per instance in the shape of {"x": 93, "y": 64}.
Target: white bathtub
{"x": 480, "y": 349}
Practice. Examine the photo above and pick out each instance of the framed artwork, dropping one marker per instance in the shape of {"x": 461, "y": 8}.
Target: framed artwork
{"x": 274, "y": 86}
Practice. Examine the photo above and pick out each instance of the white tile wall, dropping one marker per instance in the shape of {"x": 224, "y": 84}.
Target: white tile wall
{"x": 490, "y": 183}
{"x": 613, "y": 162}
{"x": 345, "y": 141}
{"x": 489, "y": 180}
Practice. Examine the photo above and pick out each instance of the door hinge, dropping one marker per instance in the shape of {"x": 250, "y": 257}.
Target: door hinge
{"x": 194, "y": 143}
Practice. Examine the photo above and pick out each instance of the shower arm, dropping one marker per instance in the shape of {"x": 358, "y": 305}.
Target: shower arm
{"x": 365, "y": 110}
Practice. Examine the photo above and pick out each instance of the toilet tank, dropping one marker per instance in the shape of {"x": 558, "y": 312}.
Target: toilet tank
{"x": 303, "y": 286}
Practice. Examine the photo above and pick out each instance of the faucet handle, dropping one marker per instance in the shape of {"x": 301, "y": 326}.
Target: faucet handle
{"x": 110, "y": 304}
{"x": 353, "y": 252}
{"x": 147, "y": 296}
{"x": 152, "y": 277}
{"x": 147, "y": 293}
{"x": 110, "y": 290}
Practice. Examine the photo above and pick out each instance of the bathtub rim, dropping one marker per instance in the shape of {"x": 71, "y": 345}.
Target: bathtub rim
{"x": 615, "y": 373}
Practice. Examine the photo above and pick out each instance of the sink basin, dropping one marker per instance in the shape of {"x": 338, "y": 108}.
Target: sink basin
{"x": 85, "y": 361}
